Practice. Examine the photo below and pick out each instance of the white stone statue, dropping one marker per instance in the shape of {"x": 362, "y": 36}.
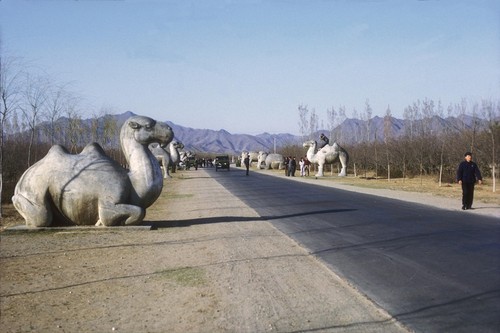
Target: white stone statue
{"x": 90, "y": 188}
{"x": 328, "y": 154}
{"x": 168, "y": 156}
{"x": 270, "y": 161}
{"x": 184, "y": 156}
{"x": 253, "y": 156}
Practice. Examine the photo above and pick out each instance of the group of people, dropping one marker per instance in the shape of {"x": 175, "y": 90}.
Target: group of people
{"x": 291, "y": 166}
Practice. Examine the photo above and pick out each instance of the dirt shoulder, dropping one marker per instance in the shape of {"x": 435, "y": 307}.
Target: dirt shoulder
{"x": 211, "y": 265}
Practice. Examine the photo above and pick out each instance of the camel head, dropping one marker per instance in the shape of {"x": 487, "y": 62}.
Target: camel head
{"x": 177, "y": 144}
{"x": 146, "y": 130}
{"x": 310, "y": 143}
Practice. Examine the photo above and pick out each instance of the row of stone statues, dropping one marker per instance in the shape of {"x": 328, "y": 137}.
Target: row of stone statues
{"x": 328, "y": 154}
{"x": 91, "y": 188}
{"x": 171, "y": 156}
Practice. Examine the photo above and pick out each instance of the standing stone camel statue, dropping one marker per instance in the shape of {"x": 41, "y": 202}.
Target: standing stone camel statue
{"x": 327, "y": 155}
{"x": 91, "y": 188}
{"x": 270, "y": 161}
{"x": 167, "y": 157}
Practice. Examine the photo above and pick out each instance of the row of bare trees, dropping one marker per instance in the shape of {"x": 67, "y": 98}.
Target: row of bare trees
{"x": 429, "y": 140}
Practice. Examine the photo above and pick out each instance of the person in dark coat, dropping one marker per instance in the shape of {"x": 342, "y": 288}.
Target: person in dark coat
{"x": 323, "y": 141}
{"x": 246, "y": 161}
{"x": 292, "y": 166}
{"x": 467, "y": 175}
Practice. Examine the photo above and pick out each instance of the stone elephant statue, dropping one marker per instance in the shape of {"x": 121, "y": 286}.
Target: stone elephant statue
{"x": 270, "y": 161}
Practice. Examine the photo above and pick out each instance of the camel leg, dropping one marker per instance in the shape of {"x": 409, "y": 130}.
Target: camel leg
{"x": 167, "y": 169}
{"x": 164, "y": 167}
{"x": 320, "y": 170}
{"x": 35, "y": 214}
{"x": 343, "y": 161}
{"x": 119, "y": 214}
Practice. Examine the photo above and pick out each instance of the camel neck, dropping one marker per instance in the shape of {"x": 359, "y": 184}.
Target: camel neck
{"x": 144, "y": 171}
{"x": 311, "y": 152}
{"x": 174, "y": 154}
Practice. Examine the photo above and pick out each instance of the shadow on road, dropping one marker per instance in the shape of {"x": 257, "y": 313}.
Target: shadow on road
{"x": 226, "y": 219}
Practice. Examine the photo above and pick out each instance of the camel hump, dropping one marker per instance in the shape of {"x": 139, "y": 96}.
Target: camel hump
{"x": 58, "y": 150}
{"x": 93, "y": 149}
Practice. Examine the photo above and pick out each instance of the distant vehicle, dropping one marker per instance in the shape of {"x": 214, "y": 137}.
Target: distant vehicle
{"x": 222, "y": 162}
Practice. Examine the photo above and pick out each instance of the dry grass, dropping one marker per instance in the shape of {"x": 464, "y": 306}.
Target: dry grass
{"x": 482, "y": 192}
{"x": 426, "y": 184}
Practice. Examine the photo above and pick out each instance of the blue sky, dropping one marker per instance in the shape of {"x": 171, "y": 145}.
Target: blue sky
{"x": 245, "y": 66}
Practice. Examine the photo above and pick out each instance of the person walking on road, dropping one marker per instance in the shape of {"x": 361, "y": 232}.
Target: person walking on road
{"x": 467, "y": 175}
{"x": 246, "y": 161}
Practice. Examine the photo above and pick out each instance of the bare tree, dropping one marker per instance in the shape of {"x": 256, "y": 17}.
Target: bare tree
{"x": 303, "y": 121}
{"x": 96, "y": 130}
{"x": 331, "y": 119}
{"x": 10, "y": 77}
{"x": 409, "y": 119}
{"x": 387, "y": 139}
{"x": 442, "y": 136}
{"x": 74, "y": 129}
{"x": 342, "y": 118}
{"x": 313, "y": 124}
{"x": 110, "y": 130}
{"x": 474, "y": 126}
{"x": 104, "y": 130}
{"x": 368, "y": 118}
{"x": 34, "y": 99}
{"x": 57, "y": 99}
{"x": 491, "y": 113}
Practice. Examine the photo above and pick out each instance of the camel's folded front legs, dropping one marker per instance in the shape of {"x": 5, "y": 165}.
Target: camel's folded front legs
{"x": 119, "y": 214}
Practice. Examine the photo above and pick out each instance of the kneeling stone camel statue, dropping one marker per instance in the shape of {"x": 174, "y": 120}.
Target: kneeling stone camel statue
{"x": 91, "y": 188}
{"x": 168, "y": 156}
{"x": 328, "y": 154}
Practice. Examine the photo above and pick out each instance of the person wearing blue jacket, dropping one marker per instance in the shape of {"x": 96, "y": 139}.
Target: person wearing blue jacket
{"x": 467, "y": 175}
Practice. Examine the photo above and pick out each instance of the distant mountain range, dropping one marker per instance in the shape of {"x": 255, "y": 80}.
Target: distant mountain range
{"x": 350, "y": 131}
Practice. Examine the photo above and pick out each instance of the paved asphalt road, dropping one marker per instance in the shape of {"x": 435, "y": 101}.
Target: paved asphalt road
{"x": 434, "y": 270}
